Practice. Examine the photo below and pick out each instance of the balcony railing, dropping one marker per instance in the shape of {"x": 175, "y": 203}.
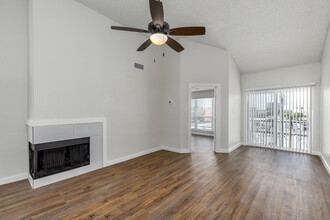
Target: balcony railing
{"x": 202, "y": 123}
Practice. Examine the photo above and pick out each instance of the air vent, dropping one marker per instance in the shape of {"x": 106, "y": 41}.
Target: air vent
{"x": 139, "y": 66}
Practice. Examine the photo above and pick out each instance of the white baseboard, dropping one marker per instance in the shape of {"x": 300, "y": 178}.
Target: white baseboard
{"x": 176, "y": 150}
{"x": 324, "y": 161}
{"x": 316, "y": 153}
{"x": 34, "y": 123}
{"x": 132, "y": 156}
{"x": 231, "y": 149}
{"x": 185, "y": 151}
{"x": 12, "y": 179}
{"x": 222, "y": 151}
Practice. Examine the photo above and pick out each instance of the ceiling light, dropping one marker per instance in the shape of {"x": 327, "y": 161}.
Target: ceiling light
{"x": 158, "y": 38}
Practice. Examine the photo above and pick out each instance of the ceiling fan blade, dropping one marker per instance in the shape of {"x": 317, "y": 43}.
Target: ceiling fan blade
{"x": 128, "y": 29}
{"x": 174, "y": 45}
{"x": 187, "y": 31}
{"x": 144, "y": 45}
{"x": 157, "y": 12}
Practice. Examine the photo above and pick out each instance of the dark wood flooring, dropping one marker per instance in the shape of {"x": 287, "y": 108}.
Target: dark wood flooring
{"x": 200, "y": 143}
{"x": 249, "y": 183}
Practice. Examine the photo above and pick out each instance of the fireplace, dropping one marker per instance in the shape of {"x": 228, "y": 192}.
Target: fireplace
{"x": 55, "y": 157}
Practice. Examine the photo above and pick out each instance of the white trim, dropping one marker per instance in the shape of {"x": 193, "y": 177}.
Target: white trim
{"x": 132, "y": 156}
{"x": 281, "y": 87}
{"x": 222, "y": 151}
{"x": 176, "y": 150}
{"x": 14, "y": 178}
{"x": 324, "y": 161}
{"x": 217, "y": 115}
{"x": 31, "y": 181}
{"x": 185, "y": 151}
{"x": 35, "y": 123}
{"x": 316, "y": 153}
{"x": 277, "y": 149}
{"x": 229, "y": 150}
{"x": 172, "y": 149}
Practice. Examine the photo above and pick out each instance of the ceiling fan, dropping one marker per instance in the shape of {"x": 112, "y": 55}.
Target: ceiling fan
{"x": 160, "y": 29}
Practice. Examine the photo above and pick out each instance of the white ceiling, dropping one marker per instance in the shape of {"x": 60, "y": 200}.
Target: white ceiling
{"x": 260, "y": 34}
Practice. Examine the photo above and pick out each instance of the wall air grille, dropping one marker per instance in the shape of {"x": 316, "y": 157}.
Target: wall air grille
{"x": 139, "y": 66}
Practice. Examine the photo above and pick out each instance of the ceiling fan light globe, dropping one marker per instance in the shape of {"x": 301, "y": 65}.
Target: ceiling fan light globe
{"x": 158, "y": 38}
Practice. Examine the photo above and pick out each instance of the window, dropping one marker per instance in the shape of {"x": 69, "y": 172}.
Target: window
{"x": 280, "y": 118}
{"x": 202, "y": 114}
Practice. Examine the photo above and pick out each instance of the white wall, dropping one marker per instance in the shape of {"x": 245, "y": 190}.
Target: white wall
{"x": 13, "y": 89}
{"x": 200, "y": 63}
{"x": 82, "y": 68}
{"x": 171, "y": 91}
{"x": 234, "y": 107}
{"x": 282, "y": 77}
{"x": 325, "y": 97}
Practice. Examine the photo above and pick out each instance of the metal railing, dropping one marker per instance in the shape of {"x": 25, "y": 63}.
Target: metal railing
{"x": 280, "y": 118}
{"x": 202, "y": 123}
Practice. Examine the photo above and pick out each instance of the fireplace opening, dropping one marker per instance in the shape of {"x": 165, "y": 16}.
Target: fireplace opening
{"x": 55, "y": 157}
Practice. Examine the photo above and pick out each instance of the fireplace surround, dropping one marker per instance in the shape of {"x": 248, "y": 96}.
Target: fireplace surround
{"x": 58, "y": 132}
{"x": 54, "y": 157}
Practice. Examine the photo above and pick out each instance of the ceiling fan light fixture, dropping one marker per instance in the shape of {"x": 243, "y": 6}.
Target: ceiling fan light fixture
{"x": 158, "y": 38}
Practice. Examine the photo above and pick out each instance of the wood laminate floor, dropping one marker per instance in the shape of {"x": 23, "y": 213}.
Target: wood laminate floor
{"x": 249, "y": 183}
{"x": 200, "y": 143}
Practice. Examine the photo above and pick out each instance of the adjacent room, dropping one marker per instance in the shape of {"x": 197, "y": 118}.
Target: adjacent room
{"x": 202, "y": 119}
{"x": 159, "y": 109}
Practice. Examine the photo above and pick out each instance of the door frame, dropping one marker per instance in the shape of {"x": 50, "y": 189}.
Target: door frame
{"x": 217, "y": 113}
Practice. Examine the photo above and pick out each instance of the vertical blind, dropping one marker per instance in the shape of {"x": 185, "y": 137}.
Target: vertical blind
{"x": 280, "y": 118}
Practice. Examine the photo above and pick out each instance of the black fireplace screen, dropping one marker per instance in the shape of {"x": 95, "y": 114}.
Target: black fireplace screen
{"x": 55, "y": 157}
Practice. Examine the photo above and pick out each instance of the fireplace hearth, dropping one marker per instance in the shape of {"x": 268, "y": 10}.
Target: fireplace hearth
{"x": 50, "y": 158}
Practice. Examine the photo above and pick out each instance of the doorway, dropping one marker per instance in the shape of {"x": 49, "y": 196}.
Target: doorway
{"x": 202, "y": 117}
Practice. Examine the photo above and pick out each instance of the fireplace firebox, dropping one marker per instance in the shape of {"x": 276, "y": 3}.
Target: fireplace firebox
{"x": 55, "y": 157}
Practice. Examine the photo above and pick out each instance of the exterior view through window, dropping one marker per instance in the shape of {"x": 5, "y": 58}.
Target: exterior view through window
{"x": 202, "y": 114}
{"x": 280, "y": 119}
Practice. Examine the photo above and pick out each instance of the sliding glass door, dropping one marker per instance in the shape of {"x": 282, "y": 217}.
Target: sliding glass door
{"x": 280, "y": 118}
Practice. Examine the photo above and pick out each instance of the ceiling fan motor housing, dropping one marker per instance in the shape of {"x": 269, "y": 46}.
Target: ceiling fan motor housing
{"x": 158, "y": 29}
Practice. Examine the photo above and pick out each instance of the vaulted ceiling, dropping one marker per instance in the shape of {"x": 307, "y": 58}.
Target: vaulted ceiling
{"x": 260, "y": 34}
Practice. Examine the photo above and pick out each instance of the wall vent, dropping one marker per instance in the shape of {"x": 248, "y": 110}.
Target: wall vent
{"x": 139, "y": 66}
